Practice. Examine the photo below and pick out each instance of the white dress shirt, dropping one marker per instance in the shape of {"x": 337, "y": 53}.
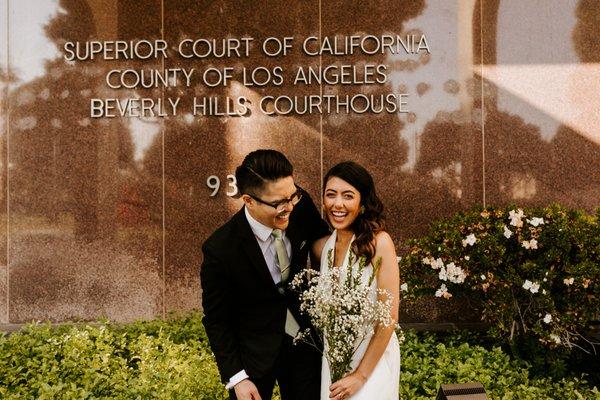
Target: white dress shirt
{"x": 266, "y": 242}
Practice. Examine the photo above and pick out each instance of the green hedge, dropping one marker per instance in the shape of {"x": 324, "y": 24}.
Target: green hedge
{"x": 171, "y": 360}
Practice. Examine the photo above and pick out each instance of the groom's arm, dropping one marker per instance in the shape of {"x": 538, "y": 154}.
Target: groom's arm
{"x": 316, "y": 227}
{"x": 218, "y": 310}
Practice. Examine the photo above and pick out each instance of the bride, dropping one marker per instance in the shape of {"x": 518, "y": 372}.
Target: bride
{"x": 355, "y": 212}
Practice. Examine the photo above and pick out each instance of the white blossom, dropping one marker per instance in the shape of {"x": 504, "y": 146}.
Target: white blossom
{"x": 342, "y": 307}
{"x": 455, "y": 274}
{"x": 443, "y": 275}
{"x": 533, "y": 287}
{"x": 507, "y": 232}
{"x": 530, "y": 245}
{"x": 404, "y": 287}
{"x": 483, "y": 277}
{"x": 516, "y": 217}
{"x": 443, "y": 292}
{"x": 548, "y": 318}
{"x": 568, "y": 281}
{"x": 536, "y": 221}
{"x": 437, "y": 263}
{"x": 556, "y": 338}
{"x": 469, "y": 240}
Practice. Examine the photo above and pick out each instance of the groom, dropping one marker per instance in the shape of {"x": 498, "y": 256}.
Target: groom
{"x": 249, "y": 315}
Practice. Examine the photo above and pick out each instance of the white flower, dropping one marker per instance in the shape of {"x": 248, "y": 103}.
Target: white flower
{"x": 467, "y": 258}
{"x": 342, "y": 307}
{"x": 455, "y": 273}
{"x": 437, "y": 263}
{"x": 543, "y": 291}
{"x": 507, "y": 232}
{"x": 568, "y": 281}
{"x": 535, "y": 221}
{"x": 443, "y": 275}
{"x": 404, "y": 287}
{"x": 548, "y": 318}
{"x": 556, "y": 338}
{"x": 483, "y": 277}
{"x": 427, "y": 260}
{"x": 530, "y": 245}
{"x": 398, "y": 259}
{"x": 533, "y": 287}
{"x": 470, "y": 240}
{"x": 443, "y": 292}
{"x": 516, "y": 217}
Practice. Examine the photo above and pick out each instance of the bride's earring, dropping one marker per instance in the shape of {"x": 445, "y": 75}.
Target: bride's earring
{"x": 362, "y": 210}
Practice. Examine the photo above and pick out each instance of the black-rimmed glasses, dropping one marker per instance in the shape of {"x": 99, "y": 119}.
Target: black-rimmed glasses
{"x": 280, "y": 205}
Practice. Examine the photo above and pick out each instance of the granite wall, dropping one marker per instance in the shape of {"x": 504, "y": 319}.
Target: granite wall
{"x": 104, "y": 217}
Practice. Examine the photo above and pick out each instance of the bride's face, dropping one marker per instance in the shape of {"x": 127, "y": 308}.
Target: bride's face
{"x": 342, "y": 203}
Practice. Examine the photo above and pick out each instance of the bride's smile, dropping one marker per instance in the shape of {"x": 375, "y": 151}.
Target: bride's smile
{"x": 341, "y": 202}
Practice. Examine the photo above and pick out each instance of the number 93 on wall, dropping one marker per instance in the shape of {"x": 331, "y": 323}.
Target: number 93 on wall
{"x": 214, "y": 183}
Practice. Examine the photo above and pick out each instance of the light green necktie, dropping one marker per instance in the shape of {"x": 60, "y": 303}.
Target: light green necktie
{"x": 282, "y": 257}
{"x": 291, "y": 326}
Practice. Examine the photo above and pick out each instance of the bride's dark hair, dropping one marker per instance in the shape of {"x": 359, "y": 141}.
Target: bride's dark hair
{"x": 368, "y": 222}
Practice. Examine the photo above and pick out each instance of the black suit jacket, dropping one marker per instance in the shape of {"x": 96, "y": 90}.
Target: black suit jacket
{"x": 244, "y": 311}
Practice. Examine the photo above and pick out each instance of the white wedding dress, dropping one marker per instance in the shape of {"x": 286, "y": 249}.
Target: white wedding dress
{"x": 383, "y": 384}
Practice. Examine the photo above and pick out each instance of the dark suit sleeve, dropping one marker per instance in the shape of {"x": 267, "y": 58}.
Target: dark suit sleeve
{"x": 218, "y": 314}
{"x": 317, "y": 227}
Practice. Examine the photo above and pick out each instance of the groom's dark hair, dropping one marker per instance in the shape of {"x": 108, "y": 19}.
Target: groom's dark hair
{"x": 260, "y": 167}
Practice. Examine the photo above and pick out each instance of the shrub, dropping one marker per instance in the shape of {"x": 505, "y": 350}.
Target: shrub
{"x": 428, "y": 361}
{"x": 165, "y": 360}
{"x": 172, "y": 360}
{"x": 534, "y": 272}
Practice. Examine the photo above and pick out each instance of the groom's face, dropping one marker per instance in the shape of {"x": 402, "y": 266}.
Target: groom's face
{"x": 271, "y": 192}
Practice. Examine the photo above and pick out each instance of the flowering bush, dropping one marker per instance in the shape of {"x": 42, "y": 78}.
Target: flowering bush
{"x": 535, "y": 272}
{"x": 342, "y": 309}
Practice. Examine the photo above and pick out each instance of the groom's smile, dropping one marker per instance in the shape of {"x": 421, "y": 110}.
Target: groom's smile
{"x": 265, "y": 207}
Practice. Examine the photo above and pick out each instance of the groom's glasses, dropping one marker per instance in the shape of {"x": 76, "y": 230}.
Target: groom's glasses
{"x": 280, "y": 205}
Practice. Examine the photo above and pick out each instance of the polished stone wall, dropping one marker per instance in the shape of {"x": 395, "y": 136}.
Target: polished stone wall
{"x": 105, "y": 217}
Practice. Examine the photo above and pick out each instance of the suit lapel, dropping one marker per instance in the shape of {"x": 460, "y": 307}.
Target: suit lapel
{"x": 252, "y": 249}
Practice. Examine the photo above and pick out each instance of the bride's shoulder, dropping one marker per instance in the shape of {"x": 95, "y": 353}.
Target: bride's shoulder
{"x": 384, "y": 243}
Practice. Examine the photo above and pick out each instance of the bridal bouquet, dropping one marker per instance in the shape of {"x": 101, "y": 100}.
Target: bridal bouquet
{"x": 342, "y": 309}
